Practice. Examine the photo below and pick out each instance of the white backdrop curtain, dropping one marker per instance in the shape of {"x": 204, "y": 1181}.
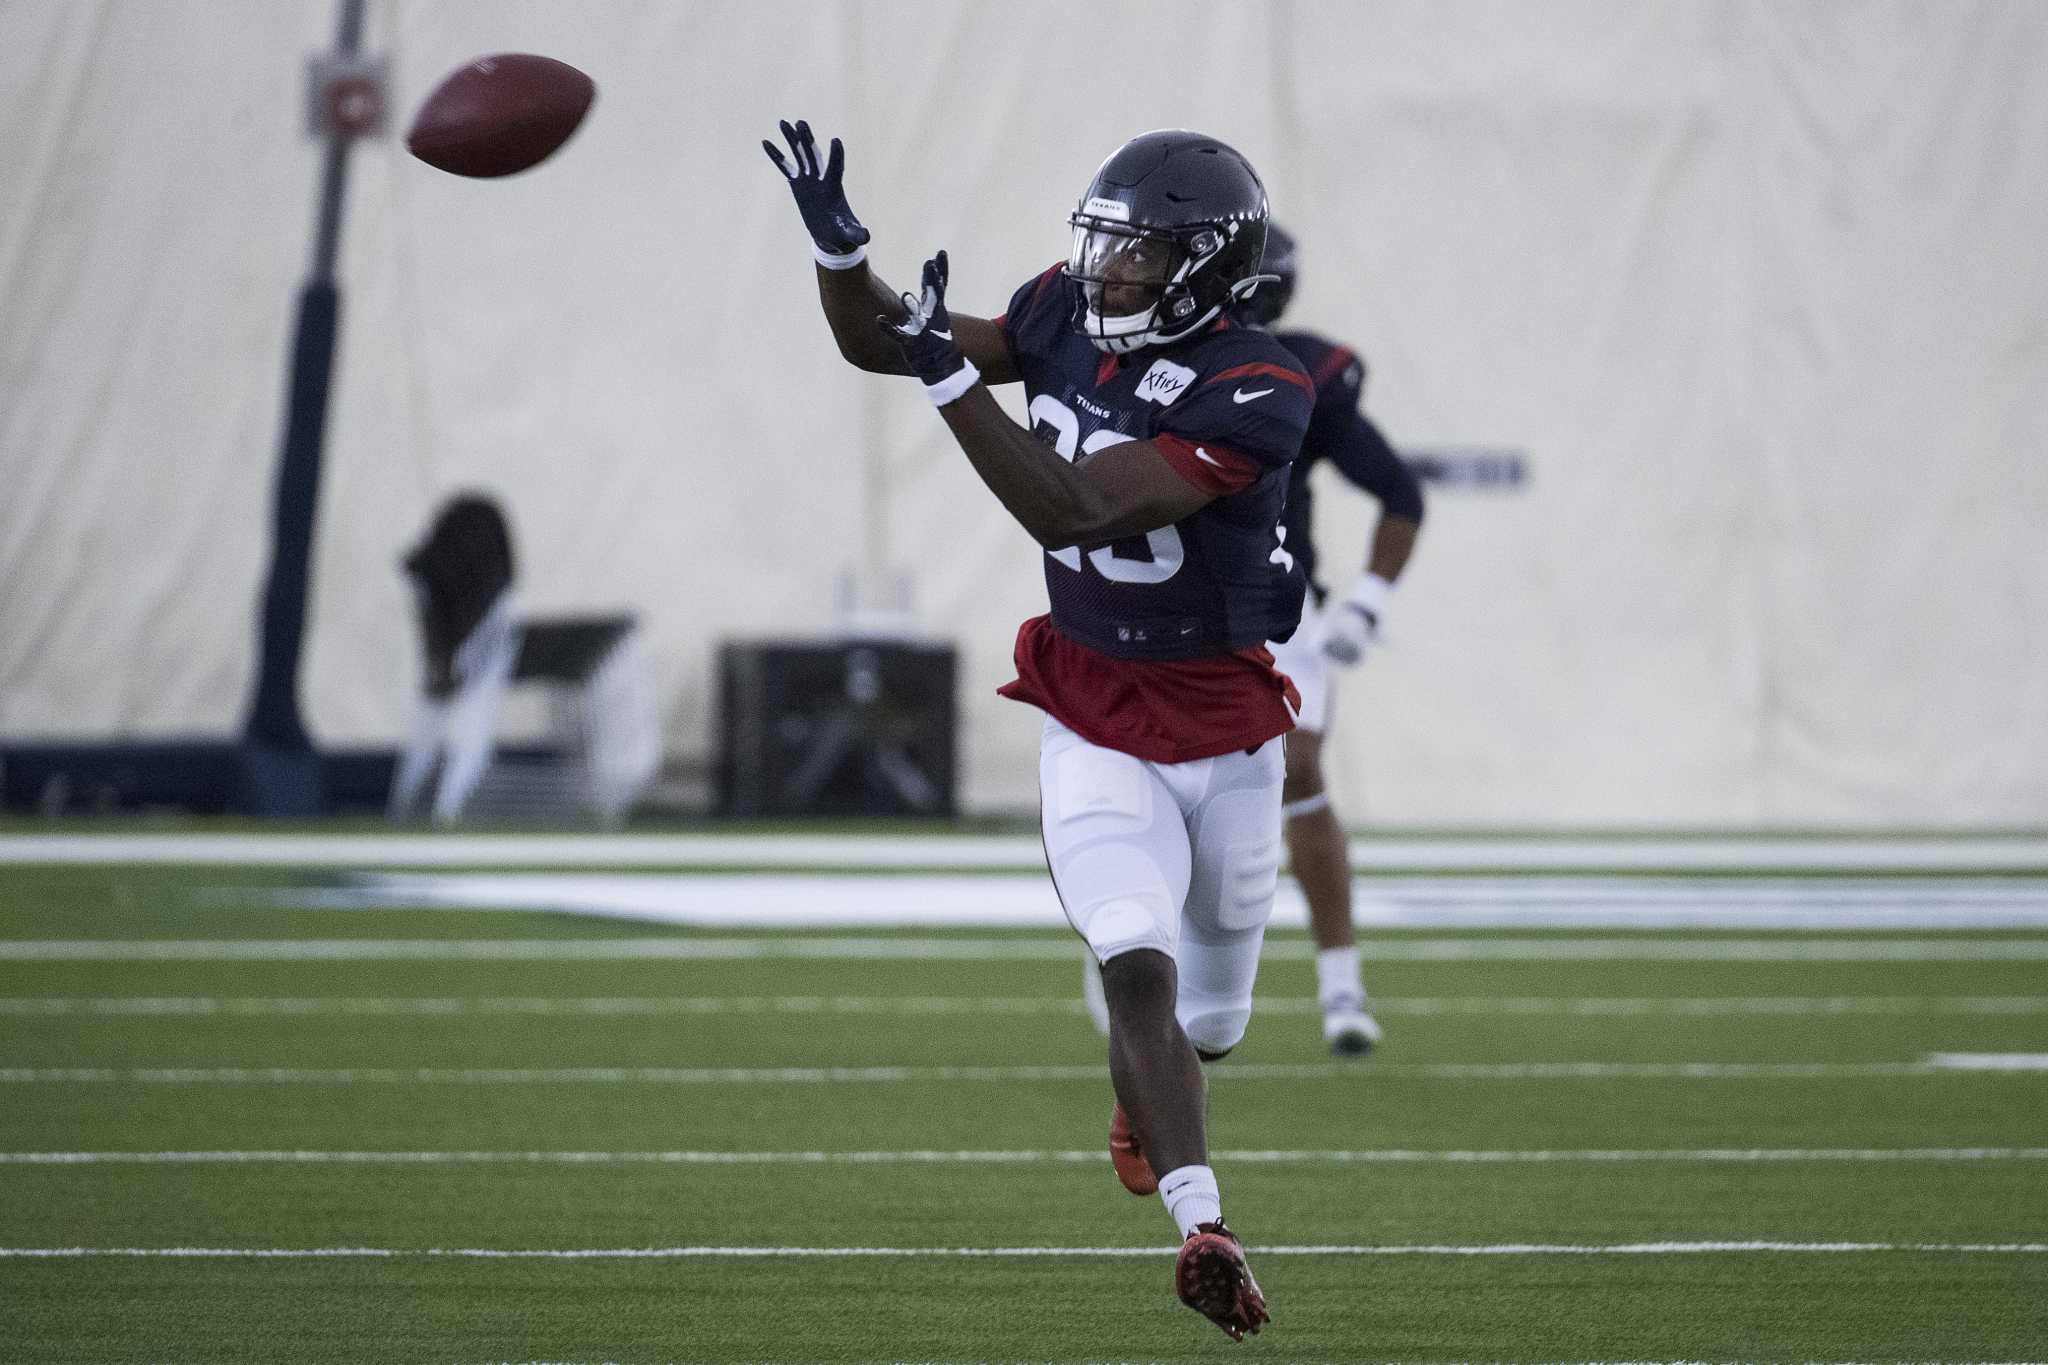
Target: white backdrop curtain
{"x": 1758, "y": 288}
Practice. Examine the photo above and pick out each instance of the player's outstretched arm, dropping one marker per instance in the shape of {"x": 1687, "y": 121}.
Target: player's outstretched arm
{"x": 1126, "y": 489}
{"x": 851, "y": 293}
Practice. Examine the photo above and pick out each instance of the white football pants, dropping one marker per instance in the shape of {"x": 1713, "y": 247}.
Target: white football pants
{"x": 1181, "y": 858}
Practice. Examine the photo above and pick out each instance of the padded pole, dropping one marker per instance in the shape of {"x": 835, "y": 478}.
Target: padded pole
{"x": 280, "y": 768}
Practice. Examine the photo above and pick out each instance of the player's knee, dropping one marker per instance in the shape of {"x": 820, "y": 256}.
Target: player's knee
{"x": 1121, "y": 926}
{"x": 1115, "y": 892}
{"x": 1215, "y": 1028}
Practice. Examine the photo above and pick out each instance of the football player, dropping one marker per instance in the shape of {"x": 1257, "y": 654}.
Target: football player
{"x": 1335, "y": 631}
{"x": 1153, "y": 473}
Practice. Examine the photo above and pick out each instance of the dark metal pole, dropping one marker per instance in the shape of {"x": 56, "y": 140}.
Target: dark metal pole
{"x": 281, "y": 773}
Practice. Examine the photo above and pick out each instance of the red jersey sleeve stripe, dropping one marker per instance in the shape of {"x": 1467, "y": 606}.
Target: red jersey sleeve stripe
{"x": 1333, "y": 365}
{"x": 1212, "y": 468}
{"x": 1261, "y": 370}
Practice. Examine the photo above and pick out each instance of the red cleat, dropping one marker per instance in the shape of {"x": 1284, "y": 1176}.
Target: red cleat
{"x": 1124, "y": 1154}
{"x": 1212, "y": 1278}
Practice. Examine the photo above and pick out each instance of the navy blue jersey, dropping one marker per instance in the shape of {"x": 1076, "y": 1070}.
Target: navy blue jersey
{"x": 1339, "y": 432}
{"x": 1228, "y": 408}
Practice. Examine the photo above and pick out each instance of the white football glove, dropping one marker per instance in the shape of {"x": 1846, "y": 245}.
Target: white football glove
{"x": 1352, "y": 624}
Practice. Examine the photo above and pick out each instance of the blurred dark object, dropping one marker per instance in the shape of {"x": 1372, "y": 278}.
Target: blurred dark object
{"x": 602, "y": 745}
{"x": 836, "y": 728}
{"x": 1483, "y": 467}
{"x": 461, "y": 574}
{"x": 567, "y": 648}
{"x": 458, "y": 572}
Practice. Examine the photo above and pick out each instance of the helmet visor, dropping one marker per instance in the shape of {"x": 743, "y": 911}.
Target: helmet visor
{"x": 1121, "y": 270}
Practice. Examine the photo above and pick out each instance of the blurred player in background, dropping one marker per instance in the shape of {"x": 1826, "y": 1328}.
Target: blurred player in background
{"x": 1334, "y": 632}
{"x": 1154, "y": 474}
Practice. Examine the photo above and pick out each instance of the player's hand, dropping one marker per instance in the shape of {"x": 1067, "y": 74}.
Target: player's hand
{"x": 1352, "y": 625}
{"x": 926, "y": 336}
{"x": 820, "y": 197}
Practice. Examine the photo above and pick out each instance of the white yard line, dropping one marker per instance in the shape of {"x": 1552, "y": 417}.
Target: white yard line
{"x": 1013, "y": 852}
{"x": 887, "y": 900}
{"x": 1952, "y": 1064}
{"x": 593, "y": 1006}
{"x": 1005, "y": 852}
{"x": 1062, "y": 949}
{"x": 1090, "y": 1156}
{"x": 689, "y": 1252}
{"x": 601, "y": 1006}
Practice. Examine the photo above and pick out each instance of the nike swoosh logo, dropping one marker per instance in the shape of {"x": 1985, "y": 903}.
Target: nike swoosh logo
{"x": 1242, "y": 397}
{"x": 1207, "y": 458}
{"x": 948, "y": 336}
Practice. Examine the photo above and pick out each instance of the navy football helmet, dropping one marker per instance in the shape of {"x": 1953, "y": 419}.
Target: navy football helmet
{"x": 1264, "y": 305}
{"x": 1168, "y": 235}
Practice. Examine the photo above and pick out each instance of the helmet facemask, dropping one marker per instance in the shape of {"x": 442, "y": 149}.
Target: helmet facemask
{"x": 1144, "y": 286}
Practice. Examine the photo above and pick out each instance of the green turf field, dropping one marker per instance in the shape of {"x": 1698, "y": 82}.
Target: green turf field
{"x": 1668, "y": 1154}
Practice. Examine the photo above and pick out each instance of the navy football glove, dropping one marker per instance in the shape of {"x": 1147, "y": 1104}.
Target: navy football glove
{"x": 926, "y": 336}
{"x": 820, "y": 197}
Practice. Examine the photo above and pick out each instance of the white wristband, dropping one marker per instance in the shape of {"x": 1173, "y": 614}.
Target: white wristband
{"x": 954, "y": 384}
{"x": 831, "y": 261}
{"x": 1369, "y": 595}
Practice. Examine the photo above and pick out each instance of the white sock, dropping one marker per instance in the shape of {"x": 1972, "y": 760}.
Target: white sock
{"x": 1337, "y": 977}
{"x": 1191, "y": 1197}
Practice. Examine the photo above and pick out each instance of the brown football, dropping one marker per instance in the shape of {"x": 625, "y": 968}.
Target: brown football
{"x": 500, "y": 115}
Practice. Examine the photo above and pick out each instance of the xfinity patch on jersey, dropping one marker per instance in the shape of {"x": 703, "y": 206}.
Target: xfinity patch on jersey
{"x": 1164, "y": 382}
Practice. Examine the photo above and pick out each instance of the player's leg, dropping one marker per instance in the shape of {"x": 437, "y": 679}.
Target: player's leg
{"x": 1234, "y": 840}
{"x": 1320, "y": 856}
{"x": 1316, "y": 847}
{"x": 1117, "y": 847}
{"x": 1233, "y": 815}
{"x": 1157, "y": 1074}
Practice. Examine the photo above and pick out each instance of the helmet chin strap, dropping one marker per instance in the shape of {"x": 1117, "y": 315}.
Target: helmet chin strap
{"x": 1139, "y": 338}
{"x": 1132, "y": 331}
